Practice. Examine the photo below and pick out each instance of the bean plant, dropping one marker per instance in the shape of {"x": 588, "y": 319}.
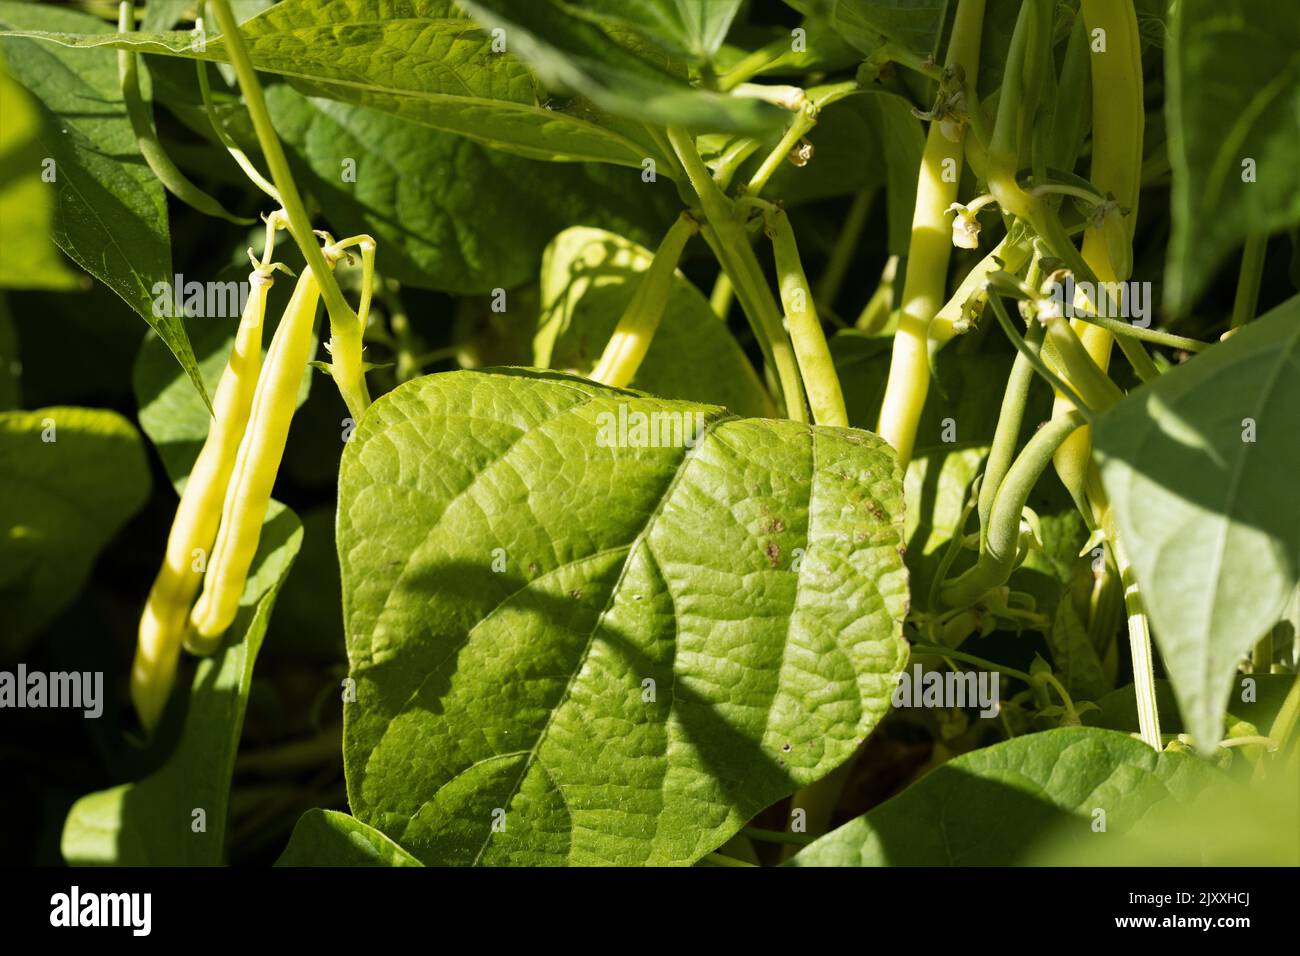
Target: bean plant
{"x": 739, "y": 432}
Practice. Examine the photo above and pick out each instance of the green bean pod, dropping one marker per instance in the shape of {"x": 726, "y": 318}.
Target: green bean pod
{"x": 820, "y": 379}
{"x": 167, "y": 609}
{"x": 258, "y": 461}
{"x": 628, "y": 345}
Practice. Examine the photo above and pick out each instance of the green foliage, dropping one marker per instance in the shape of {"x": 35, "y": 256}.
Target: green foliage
{"x": 330, "y": 838}
{"x": 1234, "y": 95}
{"x": 571, "y": 55}
{"x": 555, "y": 622}
{"x": 913, "y": 24}
{"x": 1230, "y": 823}
{"x": 70, "y": 478}
{"x": 25, "y": 204}
{"x": 443, "y": 232}
{"x": 989, "y": 807}
{"x": 489, "y": 97}
{"x": 671, "y": 643}
{"x": 588, "y": 279}
{"x": 109, "y": 214}
{"x": 176, "y": 816}
{"x": 694, "y": 28}
{"x": 1197, "y": 467}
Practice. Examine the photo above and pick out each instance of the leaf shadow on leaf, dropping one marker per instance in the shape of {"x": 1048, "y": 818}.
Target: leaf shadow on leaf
{"x": 751, "y": 778}
{"x": 990, "y": 820}
{"x": 589, "y": 279}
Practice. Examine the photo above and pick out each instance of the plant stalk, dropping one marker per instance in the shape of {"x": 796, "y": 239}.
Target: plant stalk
{"x": 928, "y": 255}
{"x": 345, "y": 327}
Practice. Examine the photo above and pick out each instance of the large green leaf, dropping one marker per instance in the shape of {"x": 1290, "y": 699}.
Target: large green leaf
{"x": 913, "y": 24}
{"x": 588, "y": 278}
{"x": 566, "y": 652}
{"x": 436, "y": 202}
{"x": 1233, "y": 70}
{"x": 69, "y": 479}
{"x": 26, "y": 203}
{"x": 573, "y": 55}
{"x": 330, "y": 838}
{"x": 420, "y": 59}
{"x": 988, "y": 807}
{"x": 1200, "y": 467}
{"x": 692, "y": 27}
{"x": 109, "y": 211}
{"x": 154, "y": 822}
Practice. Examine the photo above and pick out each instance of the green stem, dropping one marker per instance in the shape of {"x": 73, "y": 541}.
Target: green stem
{"x": 1072, "y": 100}
{"x": 1004, "y": 145}
{"x": 755, "y": 63}
{"x": 724, "y": 293}
{"x": 1261, "y": 656}
{"x": 345, "y": 327}
{"x": 1002, "y": 542}
{"x": 1010, "y": 418}
{"x": 1139, "y": 638}
{"x": 798, "y": 128}
{"x": 1155, "y": 336}
{"x": 146, "y": 138}
{"x": 922, "y": 648}
{"x": 730, "y": 244}
{"x": 292, "y": 757}
{"x": 1093, "y": 385}
{"x": 1035, "y": 358}
{"x": 222, "y": 134}
{"x": 776, "y": 836}
{"x": 900, "y": 54}
{"x": 1138, "y": 357}
{"x": 717, "y": 859}
{"x": 928, "y": 256}
{"x": 1248, "y": 279}
{"x": 1283, "y": 731}
{"x": 816, "y": 367}
{"x": 875, "y": 314}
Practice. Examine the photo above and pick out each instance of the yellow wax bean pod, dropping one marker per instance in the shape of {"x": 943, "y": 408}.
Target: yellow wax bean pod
{"x": 166, "y": 611}
{"x": 256, "y": 466}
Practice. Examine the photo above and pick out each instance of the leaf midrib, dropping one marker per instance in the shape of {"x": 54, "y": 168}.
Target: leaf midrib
{"x": 637, "y": 541}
